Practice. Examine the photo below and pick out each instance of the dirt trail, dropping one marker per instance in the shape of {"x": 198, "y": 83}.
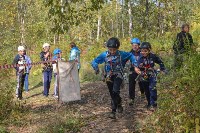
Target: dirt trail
{"x": 93, "y": 108}
{"x": 98, "y": 99}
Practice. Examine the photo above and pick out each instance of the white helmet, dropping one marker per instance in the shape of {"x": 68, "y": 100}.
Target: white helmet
{"x": 45, "y": 45}
{"x": 21, "y": 48}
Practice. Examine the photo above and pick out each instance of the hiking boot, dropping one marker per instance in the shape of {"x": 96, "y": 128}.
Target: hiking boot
{"x": 120, "y": 109}
{"x": 154, "y": 107}
{"x": 131, "y": 103}
{"x": 142, "y": 95}
{"x": 112, "y": 115}
{"x": 148, "y": 106}
{"x": 19, "y": 98}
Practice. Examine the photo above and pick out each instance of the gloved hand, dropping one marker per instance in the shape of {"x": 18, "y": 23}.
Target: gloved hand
{"x": 137, "y": 70}
{"x": 97, "y": 71}
{"x": 164, "y": 72}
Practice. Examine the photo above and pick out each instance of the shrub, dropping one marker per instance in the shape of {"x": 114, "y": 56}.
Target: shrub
{"x": 179, "y": 99}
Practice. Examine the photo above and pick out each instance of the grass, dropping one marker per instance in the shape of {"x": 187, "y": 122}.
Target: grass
{"x": 36, "y": 113}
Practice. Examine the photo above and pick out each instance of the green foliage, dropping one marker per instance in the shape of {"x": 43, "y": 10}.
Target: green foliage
{"x": 3, "y": 130}
{"x": 6, "y": 97}
{"x": 179, "y": 99}
{"x": 64, "y": 14}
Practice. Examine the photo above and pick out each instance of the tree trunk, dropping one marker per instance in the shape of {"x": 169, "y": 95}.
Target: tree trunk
{"x": 98, "y": 27}
{"x": 159, "y": 19}
{"x": 112, "y": 26}
{"x": 146, "y": 19}
{"x": 21, "y": 19}
{"x": 117, "y": 19}
{"x": 130, "y": 19}
{"x": 122, "y": 18}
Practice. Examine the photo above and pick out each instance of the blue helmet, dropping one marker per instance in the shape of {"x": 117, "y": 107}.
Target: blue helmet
{"x": 135, "y": 41}
{"x": 56, "y": 51}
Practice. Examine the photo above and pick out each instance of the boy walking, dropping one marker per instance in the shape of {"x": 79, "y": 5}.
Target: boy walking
{"x": 135, "y": 42}
{"x": 114, "y": 63}
{"x": 146, "y": 63}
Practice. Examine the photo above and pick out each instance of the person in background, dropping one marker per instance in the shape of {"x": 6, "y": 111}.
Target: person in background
{"x": 20, "y": 71}
{"x": 75, "y": 54}
{"x": 182, "y": 44}
{"x": 46, "y": 55}
{"x": 114, "y": 60}
{"x": 57, "y": 56}
{"x": 28, "y": 61}
{"x": 135, "y": 42}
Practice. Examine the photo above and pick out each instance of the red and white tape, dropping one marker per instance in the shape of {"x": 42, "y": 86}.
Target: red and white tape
{"x": 7, "y": 66}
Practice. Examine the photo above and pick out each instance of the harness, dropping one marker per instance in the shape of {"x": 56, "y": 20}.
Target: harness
{"x": 48, "y": 65}
{"x": 22, "y": 61}
{"x": 115, "y": 63}
{"x": 147, "y": 72}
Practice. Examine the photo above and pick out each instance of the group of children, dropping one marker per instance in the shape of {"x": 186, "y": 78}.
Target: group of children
{"x": 48, "y": 67}
{"x": 142, "y": 65}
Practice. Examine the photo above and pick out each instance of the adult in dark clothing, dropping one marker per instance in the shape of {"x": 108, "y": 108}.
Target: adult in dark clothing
{"x": 182, "y": 45}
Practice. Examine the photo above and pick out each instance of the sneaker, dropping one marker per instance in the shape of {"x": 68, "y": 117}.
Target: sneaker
{"x": 19, "y": 98}
{"x": 112, "y": 115}
{"x": 131, "y": 103}
{"x": 120, "y": 109}
{"x": 55, "y": 96}
{"x": 154, "y": 106}
{"x": 45, "y": 95}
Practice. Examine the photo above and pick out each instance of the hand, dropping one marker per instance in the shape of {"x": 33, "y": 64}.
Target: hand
{"x": 97, "y": 71}
{"x": 137, "y": 70}
{"x": 164, "y": 72}
{"x": 47, "y": 54}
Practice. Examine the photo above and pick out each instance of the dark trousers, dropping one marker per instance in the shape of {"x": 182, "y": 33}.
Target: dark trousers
{"x": 178, "y": 60}
{"x": 114, "y": 90}
{"x": 150, "y": 90}
{"x": 47, "y": 75}
{"x": 20, "y": 84}
{"x": 132, "y": 84}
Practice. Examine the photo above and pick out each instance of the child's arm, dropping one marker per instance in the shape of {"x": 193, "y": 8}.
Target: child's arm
{"x": 42, "y": 58}
{"x": 128, "y": 56}
{"x": 160, "y": 62}
{"x": 99, "y": 60}
{"x": 29, "y": 62}
{"x": 15, "y": 61}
